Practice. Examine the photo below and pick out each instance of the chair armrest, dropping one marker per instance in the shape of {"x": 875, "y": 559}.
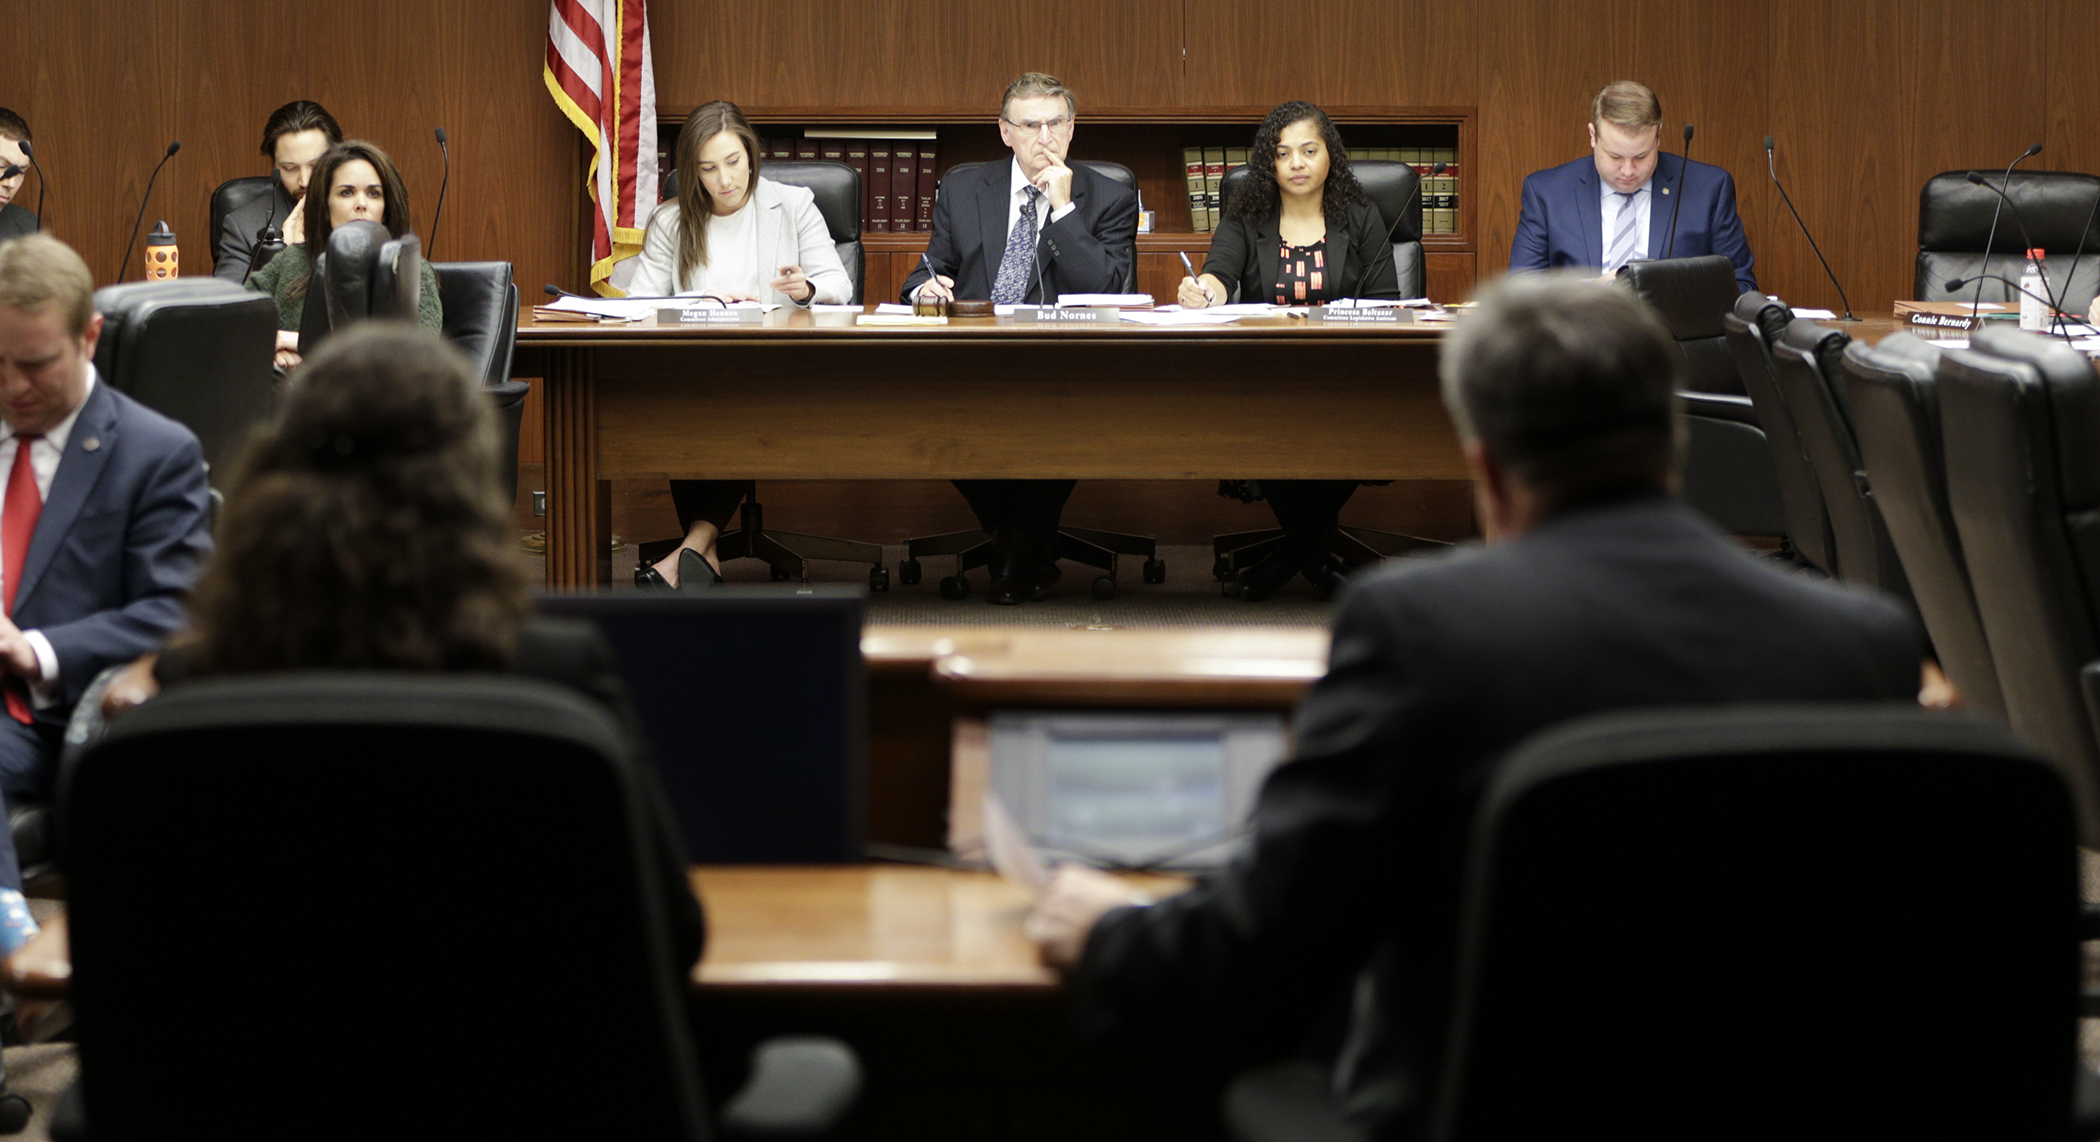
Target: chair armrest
{"x": 1719, "y": 406}
{"x": 800, "y": 1087}
{"x": 43, "y": 967}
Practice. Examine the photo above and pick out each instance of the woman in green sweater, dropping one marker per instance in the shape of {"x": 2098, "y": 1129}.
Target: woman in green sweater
{"x": 354, "y": 181}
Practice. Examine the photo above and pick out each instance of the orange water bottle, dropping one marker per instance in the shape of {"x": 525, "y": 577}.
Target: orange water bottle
{"x": 163, "y": 259}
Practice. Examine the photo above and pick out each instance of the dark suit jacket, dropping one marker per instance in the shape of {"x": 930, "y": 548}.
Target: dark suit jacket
{"x": 234, "y": 245}
{"x": 16, "y": 220}
{"x": 1090, "y": 250}
{"x": 1247, "y": 257}
{"x": 1439, "y": 667}
{"x": 1562, "y": 221}
{"x": 123, "y": 534}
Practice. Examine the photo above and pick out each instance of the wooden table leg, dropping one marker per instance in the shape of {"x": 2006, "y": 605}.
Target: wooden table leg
{"x": 579, "y": 504}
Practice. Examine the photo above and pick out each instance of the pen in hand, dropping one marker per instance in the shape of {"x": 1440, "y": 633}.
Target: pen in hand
{"x": 1191, "y": 268}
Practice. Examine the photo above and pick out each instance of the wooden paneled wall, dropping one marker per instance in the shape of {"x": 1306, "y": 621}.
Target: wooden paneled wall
{"x": 1866, "y": 99}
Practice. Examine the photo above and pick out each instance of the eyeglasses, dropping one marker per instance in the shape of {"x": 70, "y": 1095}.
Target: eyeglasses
{"x": 1040, "y": 126}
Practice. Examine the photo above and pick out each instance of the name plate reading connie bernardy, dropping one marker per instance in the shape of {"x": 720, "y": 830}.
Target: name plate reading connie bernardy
{"x": 710, "y": 315}
{"x": 1055, "y": 315}
{"x": 1942, "y": 321}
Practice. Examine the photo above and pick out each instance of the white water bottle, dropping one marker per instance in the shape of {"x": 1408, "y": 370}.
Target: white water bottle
{"x": 2034, "y": 312}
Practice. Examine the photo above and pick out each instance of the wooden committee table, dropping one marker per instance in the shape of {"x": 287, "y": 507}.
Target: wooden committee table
{"x": 812, "y": 396}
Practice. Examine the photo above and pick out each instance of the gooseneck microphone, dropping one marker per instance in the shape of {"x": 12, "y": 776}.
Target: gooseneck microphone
{"x": 143, "y": 200}
{"x": 1992, "y": 237}
{"x": 1386, "y": 252}
{"x": 553, "y": 290}
{"x": 42, "y": 183}
{"x": 2071, "y": 274}
{"x": 439, "y": 213}
{"x": 1954, "y": 284}
{"x": 269, "y": 239}
{"x": 1773, "y": 169}
{"x": 2005, "y": 200}
{"x": 1683, "y": 169}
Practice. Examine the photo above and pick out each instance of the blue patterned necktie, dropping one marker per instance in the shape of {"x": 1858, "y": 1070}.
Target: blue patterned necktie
{"x": 1621, "y": 250}
{"x": 1019, "y": 259}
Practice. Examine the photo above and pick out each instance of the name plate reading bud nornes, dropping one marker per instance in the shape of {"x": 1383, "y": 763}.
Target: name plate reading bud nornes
{"x": 1942, "y": 321}
{"x": 1049, "y": 315}
{"x": 710, "y": 315}
{"x": 1383, "y": 315}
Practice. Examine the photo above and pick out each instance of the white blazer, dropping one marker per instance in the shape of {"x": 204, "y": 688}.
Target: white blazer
{"x": 791, "y": 231}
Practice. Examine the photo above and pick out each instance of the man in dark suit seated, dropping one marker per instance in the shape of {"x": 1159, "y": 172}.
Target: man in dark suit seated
{"x": 15, "y": 219}
{"x": 1621, "y": 201}
{"x": 1597, "y": 590}
{"x": 103, "y": 518}
{"x": 1025, "y": 232}
{"x": 294, "y": 139}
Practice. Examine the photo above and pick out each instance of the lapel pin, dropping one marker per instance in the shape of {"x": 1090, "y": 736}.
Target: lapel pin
{"x": 1666, "y": 191}
{"x": 91, "y": 444}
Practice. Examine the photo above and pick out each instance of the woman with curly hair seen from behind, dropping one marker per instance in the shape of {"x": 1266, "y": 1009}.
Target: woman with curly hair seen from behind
{"x": 1300, "y": 231}
{"x": 366, "y": 530}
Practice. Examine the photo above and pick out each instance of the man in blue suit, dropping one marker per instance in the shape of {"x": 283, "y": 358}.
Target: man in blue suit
{"x": 103, "y": 518}
{"x": 1620, "y": 203}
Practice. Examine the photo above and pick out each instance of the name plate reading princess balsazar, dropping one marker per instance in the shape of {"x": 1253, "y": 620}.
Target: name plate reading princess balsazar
{"x": 1075, "y": 315}
{"x": 710, "y": 315}
{"x": 1339, "y": 315}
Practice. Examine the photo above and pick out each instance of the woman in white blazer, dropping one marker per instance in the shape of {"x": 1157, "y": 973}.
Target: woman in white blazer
{"x": 760, "y": 241}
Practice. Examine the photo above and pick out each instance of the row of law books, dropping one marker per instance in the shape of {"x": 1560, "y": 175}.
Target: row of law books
{"x": 1205, "y": 169}
{"x": 897, "y": 176}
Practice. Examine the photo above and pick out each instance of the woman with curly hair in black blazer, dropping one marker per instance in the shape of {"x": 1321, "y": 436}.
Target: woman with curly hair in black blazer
{"x": 1300, "y": 231}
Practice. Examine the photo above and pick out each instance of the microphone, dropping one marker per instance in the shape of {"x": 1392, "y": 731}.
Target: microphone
{"x": 440, "y": 212}
{"x": 12, "y": 171}
{"x": 2004, "y": 201}
{"x": 1685, "y": 169}
{"x": 1773, "y": 169}
{"x": 1957, "y": 283}
{"x": 1992, "y": 237}
{"x": 29, "y": 152}
{"x": 553, "y": 290}
{"x": 269, "y": 239}
{"x": 2071, "y": 274}
{"x": 143, "y": 200}
{"x": 1364, "y": 278}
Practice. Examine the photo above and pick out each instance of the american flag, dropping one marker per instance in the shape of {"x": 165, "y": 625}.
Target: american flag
{"x": 600, "y": 73}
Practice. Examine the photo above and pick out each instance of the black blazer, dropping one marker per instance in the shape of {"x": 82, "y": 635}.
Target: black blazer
{"x": 1439, "y": 666}
{"x": 1248, "y": 257}
{"x": 1090, "y": 250}
{"x": 16, "y": 220}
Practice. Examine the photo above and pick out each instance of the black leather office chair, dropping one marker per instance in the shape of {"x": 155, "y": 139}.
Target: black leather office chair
{"x": 365, "y": 273}
{"x": 231, "y": 195}
{"x": 1115, "y": 172}
{"x": 837, "y": 190}
{"x": 1805, "y": 367}
{"x": 1392, "y": 187}
{"x": 1728, "y": 471}
{"x": 1954, "y": 218}
{"x": 788, "y": 554}
{"x": 2020, "y": 424}
{"x": 388, "y": 970}
{"x": 1085, "y": 546}
{"x": 197, "y": 350}
{"x": 1750, "y": 329}
{"x": 481, "y": 318}
{"x": 1892, "y": 392}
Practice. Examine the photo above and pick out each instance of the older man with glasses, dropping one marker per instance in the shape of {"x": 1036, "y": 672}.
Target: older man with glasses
{"x": 1025, "y": 232}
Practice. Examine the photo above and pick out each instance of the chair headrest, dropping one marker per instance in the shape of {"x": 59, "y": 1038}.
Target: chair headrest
{"x": 835, "y": 185}
{"x": 1761, "y": 313}
{"x": 1390, "y": 186}
{"x": 1690, "y": 294}
{"x": 1955, "y": 214}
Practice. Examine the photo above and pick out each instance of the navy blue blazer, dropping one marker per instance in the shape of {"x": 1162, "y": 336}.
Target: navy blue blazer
{"x": 1090, "y": 250}
{"x": 1562, "y": 221}
{"x": 124, "y": 533}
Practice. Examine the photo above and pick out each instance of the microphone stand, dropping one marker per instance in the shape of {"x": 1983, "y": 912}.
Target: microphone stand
{"x": 1684, "y": 168}
{"x": 2055, "y": 315}
{"x": 1773, "y": 169}
{"x": 1386, "y": 250}
{"x": 42, "y": 183}
{"x": 1992, "y": 238}
{"x": 144, "y": 200}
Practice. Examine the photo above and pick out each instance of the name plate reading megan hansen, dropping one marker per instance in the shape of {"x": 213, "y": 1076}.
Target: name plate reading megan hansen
{"x": 1052, "y": 315}
{"x": 1381, "y": 316}
{"x": 710, "y": 315}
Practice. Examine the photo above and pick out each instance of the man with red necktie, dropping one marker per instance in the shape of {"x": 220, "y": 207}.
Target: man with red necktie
{"x": 104, "y": 521}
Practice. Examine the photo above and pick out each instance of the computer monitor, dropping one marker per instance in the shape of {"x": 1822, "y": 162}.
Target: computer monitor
{"x": 754, "y": 702}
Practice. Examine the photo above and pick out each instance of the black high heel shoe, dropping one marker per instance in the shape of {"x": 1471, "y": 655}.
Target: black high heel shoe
{"x": 694, "y": 575}
{"x": 1265, "y": 578}
{"x": 1324, "y": 573}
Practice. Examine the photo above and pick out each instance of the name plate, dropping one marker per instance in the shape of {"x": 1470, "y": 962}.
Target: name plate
{"x": 710, "y": 316}
{"x": 1053, "y": 315}
{"x": 1942, "y": 321}
{"x": 1386, "y": 316}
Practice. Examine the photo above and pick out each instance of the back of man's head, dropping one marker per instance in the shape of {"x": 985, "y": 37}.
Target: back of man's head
{"x": 1570, "y": 385}
{"x": 37, "y": 270}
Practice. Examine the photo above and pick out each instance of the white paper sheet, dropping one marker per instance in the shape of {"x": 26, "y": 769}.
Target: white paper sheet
{"x": 1007, "y": 846}
{"x": 1180, "y": 317}
{"x": 1816, "y": 314}
{"x": 1118, "y": 300}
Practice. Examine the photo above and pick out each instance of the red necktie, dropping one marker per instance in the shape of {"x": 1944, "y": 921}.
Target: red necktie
{"x": 18, "y": 516}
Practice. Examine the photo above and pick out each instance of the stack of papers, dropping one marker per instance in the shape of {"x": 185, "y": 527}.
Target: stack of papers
{"x": 1113, "y": 300}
